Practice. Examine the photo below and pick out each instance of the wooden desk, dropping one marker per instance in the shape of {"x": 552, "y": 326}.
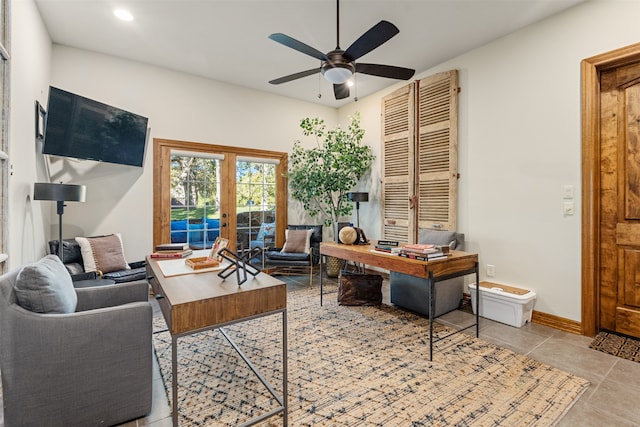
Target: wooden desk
{"x": 197, "y": 302}
{"x": 457, "y": 264}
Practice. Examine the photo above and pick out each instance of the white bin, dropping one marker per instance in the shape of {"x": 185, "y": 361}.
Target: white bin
{"x": 504, "y": 304}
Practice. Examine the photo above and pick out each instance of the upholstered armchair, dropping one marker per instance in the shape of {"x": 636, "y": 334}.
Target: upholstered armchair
{"x": 300, "y": 253}
{"x": 73, "y": 357}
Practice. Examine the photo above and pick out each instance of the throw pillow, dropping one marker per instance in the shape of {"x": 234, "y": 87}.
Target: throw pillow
{"x": 104, "y": 253}
{"x": 46, "y": 287}
{"x": 298, "y": 241}
{"x": 266, "y": 229}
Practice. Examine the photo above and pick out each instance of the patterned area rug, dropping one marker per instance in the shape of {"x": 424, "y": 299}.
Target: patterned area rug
{"x": 618, "y": 345}
{"x": 361, "y": 366}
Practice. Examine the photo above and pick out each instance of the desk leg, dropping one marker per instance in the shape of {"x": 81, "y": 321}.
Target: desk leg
{"x": 285, "y": 380}
{"x": 320, "y": 280}
{"x": 477, "y": 301}
{"x": 432, "y": 308}
{"x": 174, "y": 380}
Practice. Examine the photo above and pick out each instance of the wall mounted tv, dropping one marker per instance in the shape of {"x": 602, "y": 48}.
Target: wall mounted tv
{"x": 82, "y": 128}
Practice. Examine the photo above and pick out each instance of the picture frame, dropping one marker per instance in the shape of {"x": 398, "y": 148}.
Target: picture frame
{"x": 219, "y": 244}
{"x": 41, "y": 116}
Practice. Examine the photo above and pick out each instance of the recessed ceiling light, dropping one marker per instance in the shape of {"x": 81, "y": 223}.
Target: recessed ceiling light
{"x": 125, "y": 15}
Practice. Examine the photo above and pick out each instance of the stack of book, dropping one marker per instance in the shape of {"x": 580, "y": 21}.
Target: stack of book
{"x": 172, "y": 250}
{"x": 422, "y": 251}
{"x": 388, "y": 246}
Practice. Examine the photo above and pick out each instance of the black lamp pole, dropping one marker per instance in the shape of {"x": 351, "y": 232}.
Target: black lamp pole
{"x": 358, "y": 197}
{"x": 59, "y": 193}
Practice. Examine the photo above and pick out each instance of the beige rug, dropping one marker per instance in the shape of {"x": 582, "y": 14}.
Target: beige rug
{"x": 362, "y": 366}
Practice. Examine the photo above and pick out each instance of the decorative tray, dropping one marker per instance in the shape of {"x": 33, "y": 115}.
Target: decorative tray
{"x": 199, "y": 263}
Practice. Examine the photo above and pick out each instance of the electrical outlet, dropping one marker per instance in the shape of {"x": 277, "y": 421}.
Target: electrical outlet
{"x": 491, "y": 270}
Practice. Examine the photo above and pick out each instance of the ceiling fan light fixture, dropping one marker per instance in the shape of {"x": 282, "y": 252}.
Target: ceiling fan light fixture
{"x": 337, "y": 74}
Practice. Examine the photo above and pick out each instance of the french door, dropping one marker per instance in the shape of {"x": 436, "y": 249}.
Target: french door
{"x": 205, "y": 191}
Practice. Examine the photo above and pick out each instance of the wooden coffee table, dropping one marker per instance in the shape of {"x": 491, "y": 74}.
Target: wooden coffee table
{"x": 197, "y": 302}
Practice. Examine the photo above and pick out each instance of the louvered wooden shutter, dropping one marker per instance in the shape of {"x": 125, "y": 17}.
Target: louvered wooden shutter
{"x": 397, "y": 164}
{"x": 437, "y": 151}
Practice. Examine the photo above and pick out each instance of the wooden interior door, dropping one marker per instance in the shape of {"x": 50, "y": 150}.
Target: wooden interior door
{"x": 620, "y": 199}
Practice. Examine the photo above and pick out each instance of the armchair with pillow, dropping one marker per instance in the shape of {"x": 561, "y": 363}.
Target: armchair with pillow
{"x": 88, "y": 258}
{"x": 301, "y": 251}
{"x": 69, "y": 356}
{"x": 411, "y": 292}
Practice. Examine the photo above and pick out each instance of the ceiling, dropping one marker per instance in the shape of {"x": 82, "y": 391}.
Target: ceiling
{"x": 227, "y": 40}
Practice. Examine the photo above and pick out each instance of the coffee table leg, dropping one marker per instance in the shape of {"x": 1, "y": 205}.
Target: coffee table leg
{"x": 174, "y": 380}
{"x": 285, "y": 374}
{"x": 320, "y": 280}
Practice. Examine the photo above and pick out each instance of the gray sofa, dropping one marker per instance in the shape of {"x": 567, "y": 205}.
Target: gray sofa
{"x": 411, "y": 292}
{"x": 87, "y": 363}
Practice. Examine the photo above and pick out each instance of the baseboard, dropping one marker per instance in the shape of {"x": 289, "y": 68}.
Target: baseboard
{"x": 545, "y": 319}
{"x": 556, "y": 322}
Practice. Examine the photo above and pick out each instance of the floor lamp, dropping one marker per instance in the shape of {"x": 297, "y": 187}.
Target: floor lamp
{"x": 358, "y": 197}
{"x": 60, "y": 193}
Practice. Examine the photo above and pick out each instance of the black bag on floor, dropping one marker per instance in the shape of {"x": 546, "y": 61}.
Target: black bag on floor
{"x": 359, "y": 289}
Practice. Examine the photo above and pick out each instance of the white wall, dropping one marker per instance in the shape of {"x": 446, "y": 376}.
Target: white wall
{"x": 519, "y": 141}
{"x": 30, "y": 70}
{"x": 179, "y": 106}
{"x": 520, "y": 144}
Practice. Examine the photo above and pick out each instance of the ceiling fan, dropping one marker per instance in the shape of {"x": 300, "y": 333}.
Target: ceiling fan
{"x": 339, "y": 65}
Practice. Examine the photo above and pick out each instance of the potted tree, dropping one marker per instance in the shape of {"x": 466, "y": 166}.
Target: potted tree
{"x": 320, "y": 177}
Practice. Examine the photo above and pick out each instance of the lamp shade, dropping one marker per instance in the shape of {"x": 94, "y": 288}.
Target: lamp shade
{"x": 337, "y": 75}
{"x": 59, "y": 192}
{"x": 358, "y": 197}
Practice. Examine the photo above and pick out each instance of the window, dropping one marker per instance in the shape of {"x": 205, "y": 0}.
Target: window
{"x": 195, "y": 199}
{"x": 202, "y": 191}
{"x": 255, "y": 201}
{"x": 4, "y": 124}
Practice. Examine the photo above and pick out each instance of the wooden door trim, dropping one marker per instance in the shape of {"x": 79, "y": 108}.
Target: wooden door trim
{"x": 161, "y": 182}
{"x": 591, "y": 69}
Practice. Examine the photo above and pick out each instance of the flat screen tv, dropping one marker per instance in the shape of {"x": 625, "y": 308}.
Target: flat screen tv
{"x": 82, "y": 128}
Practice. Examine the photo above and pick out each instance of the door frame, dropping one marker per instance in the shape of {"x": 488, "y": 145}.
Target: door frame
{"x": 161, "y": 183}
{"x": 591, "y": 70}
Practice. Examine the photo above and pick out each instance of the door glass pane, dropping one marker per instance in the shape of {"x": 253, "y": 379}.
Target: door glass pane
{"x": 195, "y": 200}
{"x": 255, "y": 203}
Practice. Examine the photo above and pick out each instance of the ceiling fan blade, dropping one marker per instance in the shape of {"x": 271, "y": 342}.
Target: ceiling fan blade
{"x": 341, "y": 91}
{"x": 295, "y": 76}
{"x": 389, "y": 71}
{"x": 298, "y": 45}
{"x": 377, "y": 35}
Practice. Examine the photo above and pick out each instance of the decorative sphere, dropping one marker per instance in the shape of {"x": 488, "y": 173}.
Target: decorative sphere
{"x": 348, "y": 235}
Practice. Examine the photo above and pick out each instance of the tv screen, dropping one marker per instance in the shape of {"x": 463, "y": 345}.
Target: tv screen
{"x": 82, "y": 128}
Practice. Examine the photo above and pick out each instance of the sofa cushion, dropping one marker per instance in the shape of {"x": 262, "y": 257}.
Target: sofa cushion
{"x": 286, "y": 256}
{"x": 46, "y": 287}
{"x": 297, "y": 241}
{"x": 104, "y": 253}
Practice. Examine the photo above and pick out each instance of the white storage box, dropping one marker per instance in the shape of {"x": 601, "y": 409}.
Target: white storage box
{"x": 504, "y": 304}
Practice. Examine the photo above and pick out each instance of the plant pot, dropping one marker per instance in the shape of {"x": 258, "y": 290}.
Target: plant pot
{"x": 334, "y": 265}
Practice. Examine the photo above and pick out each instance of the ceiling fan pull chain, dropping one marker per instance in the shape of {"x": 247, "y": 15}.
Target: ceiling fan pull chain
{"x": 355, "y": 87}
